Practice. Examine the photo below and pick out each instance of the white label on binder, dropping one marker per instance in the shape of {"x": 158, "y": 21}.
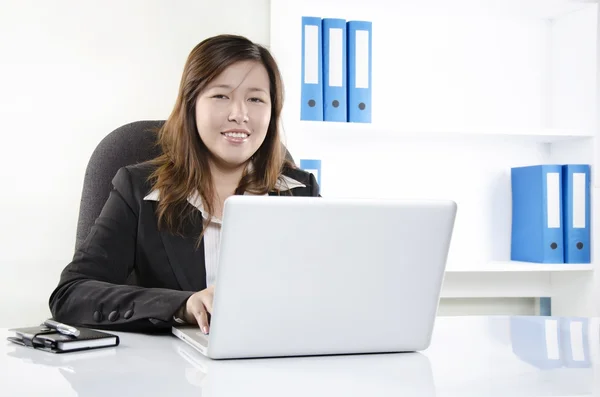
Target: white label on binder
{"x": 553, "y": 199}
{"x": 336, "y": 43}
{"x": 552, "y": 350}
{"x": 579, "y": 200}
{"x": 311, "y": 54}
{"x": 362, "y": 59}
{"x": 576, "y": 330}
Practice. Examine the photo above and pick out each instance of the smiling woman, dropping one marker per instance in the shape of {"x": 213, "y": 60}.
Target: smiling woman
{"x": 151, "y": 258}
{"x": 231, "y": 97}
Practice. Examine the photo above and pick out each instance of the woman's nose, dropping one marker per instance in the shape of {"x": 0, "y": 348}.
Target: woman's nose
{"x": 238, "y": 112}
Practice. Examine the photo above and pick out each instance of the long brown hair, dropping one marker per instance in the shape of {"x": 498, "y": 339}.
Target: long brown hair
{"x": 183, "y": 166}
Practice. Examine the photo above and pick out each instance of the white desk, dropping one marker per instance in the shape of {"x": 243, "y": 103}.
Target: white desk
{"x": 469, "y": 356}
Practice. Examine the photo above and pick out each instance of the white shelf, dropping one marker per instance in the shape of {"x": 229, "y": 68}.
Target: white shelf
{"x": 570, "y": 286}
{"x": 325, "y": 130}
{"x": 514, "y": 266}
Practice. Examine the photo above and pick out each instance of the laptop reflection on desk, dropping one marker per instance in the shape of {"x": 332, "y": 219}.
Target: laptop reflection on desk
{"x": 399, "y": 374}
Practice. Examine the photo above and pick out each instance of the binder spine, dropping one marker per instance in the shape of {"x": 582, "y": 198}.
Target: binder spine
{"x": 359, "y": 71}
{"x": 311, "y": 107}
{"x": 334, "y": 70}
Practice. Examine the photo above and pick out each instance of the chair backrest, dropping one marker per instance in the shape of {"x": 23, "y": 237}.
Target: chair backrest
{"x": 129, "y": 144}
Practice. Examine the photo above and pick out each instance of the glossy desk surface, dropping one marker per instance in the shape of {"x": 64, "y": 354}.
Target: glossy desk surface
{"x": 469, "y": 356}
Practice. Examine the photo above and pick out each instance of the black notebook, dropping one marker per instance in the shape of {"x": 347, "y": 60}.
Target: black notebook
{"x": 50, "y": 340}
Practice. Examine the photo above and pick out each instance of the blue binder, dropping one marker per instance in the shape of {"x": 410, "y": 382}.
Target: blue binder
{"x": 575, "y": 345}
{"x": 537, "y": 228}
{"x": 359, "y": 71}
{"x": 312, "y": 166}
{"x": 311, "y": 107}
{"x": 537, "y": 341}
{"x": 576, "y": 211}
{"x": 334, "y": 70}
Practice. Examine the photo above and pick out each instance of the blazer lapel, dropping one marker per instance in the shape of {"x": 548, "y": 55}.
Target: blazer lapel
{"x": 186, "y": 260}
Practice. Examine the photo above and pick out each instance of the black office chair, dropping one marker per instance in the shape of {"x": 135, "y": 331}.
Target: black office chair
{"x": 129, "y": 144}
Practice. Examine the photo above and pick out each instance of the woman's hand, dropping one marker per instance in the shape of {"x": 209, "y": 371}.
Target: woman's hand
{"x": 198, "y": 307}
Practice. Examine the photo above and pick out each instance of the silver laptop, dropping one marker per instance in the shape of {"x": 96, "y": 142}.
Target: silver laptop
{"x": 319, "y": 276}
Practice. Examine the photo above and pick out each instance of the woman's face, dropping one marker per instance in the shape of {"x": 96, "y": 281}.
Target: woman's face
{"x": 233, "y": 113}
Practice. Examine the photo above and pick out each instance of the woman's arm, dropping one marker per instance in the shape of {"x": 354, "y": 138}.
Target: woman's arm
{"x": 91, "y": 290}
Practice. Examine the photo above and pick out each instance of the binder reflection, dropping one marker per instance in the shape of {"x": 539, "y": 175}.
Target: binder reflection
{"x": 553, "y": 342}
{"x": 353, "y": 375}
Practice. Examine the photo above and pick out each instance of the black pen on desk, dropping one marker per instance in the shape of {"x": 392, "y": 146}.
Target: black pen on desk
{"x": 62, "y": 328}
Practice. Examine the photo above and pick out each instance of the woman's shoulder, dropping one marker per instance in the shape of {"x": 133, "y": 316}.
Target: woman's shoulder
{"x": 296, "y": 173}
{"x": 135, "y": 177}
{"x": 298, "y": 181}
{"x": 137, "y": 180}
{"x": 141, "y": 171}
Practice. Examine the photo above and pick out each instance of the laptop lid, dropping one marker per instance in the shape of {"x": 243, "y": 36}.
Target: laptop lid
{"x": 312, "y": 276}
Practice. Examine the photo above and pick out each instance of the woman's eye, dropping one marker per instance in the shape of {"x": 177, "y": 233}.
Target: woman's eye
{"x": 219, "y": 96}
{"x": 257, "y": 100}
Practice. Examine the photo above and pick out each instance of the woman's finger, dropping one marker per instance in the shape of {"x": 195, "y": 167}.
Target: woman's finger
{"x": 208, "y": 302}
{"x": 202, "y": 319}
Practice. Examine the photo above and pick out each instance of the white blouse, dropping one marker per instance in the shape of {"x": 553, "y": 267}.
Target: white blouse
{"x": 212, "y": 234}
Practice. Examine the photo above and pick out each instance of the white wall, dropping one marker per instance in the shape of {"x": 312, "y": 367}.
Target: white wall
{"x": 71, "y": 72}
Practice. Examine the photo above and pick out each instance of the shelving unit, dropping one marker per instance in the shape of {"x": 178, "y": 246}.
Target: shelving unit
{"x": 463, "y": 90}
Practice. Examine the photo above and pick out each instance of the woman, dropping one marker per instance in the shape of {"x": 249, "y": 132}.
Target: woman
{"x": 151, "y": 257}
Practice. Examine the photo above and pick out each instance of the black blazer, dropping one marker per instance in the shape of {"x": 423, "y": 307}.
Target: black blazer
{"x": 128, "y": 275}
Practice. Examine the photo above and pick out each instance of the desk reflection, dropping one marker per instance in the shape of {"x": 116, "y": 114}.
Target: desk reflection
{"x": 520, "y": 356}
{"x": 167, "y": 366}
{"x": 353, "y": 375}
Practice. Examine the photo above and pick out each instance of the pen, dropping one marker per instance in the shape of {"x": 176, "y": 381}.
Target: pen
{"x": 62, "y": 328}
